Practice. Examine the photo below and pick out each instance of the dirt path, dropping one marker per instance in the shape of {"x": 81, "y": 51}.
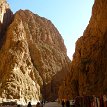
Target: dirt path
{"x": 52, "y": 104}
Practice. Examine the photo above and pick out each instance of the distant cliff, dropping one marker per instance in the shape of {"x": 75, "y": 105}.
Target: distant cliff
{"x": 33, "y": 58}
{"x": 5, "y": 19}
{"x": 88, "y": 74}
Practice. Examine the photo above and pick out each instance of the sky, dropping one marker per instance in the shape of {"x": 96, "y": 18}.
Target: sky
{"x": 70, "y": 17}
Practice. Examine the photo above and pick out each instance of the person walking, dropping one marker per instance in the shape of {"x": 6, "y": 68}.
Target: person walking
{"x": 42, "y": 103}
{"x": 67, "y": 103}
{"x": 29, "y": 104}
{"x": 63, "y": 103}
{"x": 38, "y": 104}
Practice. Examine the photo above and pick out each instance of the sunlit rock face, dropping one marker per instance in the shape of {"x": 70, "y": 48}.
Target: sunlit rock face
{"x": 5, "y": 14}
{"x": 5, "y": 18}
{"x": 89, "y": 66}
{"x": 47, "y": 51}
{"x": 33, "y": 59}
{"x": 19, "y": 79}
{"x": 3, "y": 7}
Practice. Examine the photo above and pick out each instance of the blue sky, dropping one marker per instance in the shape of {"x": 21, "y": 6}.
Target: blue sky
{"x": 69, "y": 16}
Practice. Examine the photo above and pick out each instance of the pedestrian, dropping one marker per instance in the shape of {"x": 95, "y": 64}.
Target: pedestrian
{"x": 18, "y": 105}
{"x": 38, "y": 104}
{"x": 29, "y": 104}
{"x": 63, "y": 103}
{"x": 101, "y": 101}
{"x": 67, "y": 103}
{"x": 42, "y": 103}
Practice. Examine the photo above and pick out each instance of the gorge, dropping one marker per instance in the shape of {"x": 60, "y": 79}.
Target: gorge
{"x": 88, "y": 67}
{"x": 33, "y": 58}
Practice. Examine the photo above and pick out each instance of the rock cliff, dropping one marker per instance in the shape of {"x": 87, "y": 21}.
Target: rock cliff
{"x": 5, "y": 18}
{"x": 89, "y": 66}
{"x": 33, "y": 59}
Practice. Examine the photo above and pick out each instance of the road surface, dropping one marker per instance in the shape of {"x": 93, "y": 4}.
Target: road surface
{"x": 49, "y": 104}
{"x": 52, "y": 104}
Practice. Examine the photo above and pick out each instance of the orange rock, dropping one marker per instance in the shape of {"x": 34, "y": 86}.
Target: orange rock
{"x": 32, "y": 57}
{"x": 89, "y": 66}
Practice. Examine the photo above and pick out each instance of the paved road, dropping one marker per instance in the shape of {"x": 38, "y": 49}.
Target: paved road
{"x": 52, "y": 104}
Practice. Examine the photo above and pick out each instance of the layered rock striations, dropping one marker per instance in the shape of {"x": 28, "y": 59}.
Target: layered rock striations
{"x": 33, "y": 59}
{"x": 89, "y": 65}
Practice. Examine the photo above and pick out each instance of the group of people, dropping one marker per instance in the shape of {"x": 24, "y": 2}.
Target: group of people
{"x": 86, "y": 101}
{"x": 80, "y": 101}
{"x": 91, "y": 101}
{"x": 39, "y": 104}
{"x": 65, "y": 103}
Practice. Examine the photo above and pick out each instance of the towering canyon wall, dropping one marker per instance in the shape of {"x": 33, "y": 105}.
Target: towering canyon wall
{"x": 33, "y": 59}
{"x": 89, "y": 66}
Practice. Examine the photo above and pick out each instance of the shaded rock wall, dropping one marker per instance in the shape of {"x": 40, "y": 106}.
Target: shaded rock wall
{"x": 89, "y": 65}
